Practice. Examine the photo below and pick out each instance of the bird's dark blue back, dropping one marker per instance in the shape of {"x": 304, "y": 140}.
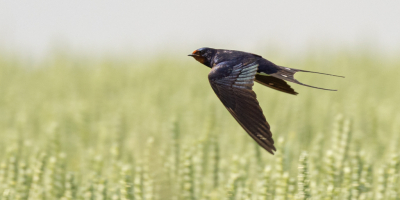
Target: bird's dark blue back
{"x": 265, "y": 66}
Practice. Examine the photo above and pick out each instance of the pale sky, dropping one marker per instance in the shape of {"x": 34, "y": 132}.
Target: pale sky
{"x": 35, "y": 27}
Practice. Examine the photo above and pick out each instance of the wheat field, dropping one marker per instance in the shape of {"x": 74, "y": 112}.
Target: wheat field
{"x": 76, "y": 127}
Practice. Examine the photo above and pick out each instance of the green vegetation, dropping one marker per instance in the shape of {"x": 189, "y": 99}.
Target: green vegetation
{"x": 89, "y": 128}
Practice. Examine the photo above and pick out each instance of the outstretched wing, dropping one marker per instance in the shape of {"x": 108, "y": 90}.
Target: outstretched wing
{"x": 233, "y": 86}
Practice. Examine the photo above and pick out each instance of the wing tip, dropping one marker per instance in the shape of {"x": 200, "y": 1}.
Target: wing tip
{"x": 270, "y": 149}
{"x": 273, "y": 150}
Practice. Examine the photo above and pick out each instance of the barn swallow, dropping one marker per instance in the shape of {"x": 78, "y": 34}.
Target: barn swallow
{"x": 232, "y": 78}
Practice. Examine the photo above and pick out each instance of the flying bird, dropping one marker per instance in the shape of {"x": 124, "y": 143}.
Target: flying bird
{"x": 232, "y": 78}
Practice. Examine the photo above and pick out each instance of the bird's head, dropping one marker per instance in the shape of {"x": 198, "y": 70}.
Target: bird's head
{"x": 204, "y": 55}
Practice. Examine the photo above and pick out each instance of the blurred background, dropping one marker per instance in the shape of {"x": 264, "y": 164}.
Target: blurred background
{"x": 147, "y": 27}
{"x": 99, "y": 100}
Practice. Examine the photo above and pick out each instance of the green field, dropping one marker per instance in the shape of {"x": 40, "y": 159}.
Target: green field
{"x": 75, "y": 127}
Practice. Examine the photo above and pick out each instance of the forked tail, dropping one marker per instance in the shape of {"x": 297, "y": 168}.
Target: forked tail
{"x": 287, "y": 74}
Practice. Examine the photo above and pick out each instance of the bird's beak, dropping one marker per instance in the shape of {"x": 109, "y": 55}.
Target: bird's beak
{"x": 192, "y": 55}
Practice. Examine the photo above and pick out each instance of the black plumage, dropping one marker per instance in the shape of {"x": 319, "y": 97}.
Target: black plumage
{"x": 232, "y": 78}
